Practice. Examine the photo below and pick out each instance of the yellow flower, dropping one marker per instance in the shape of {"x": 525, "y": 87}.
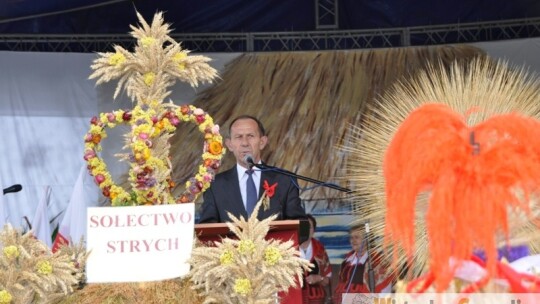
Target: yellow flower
{"x": 137, "y": 110}
{"x": 179, "y": 58}
{"x": 144, "y": 128}
{"x": 5, "y": 297}
{"x": 157, "y": 131}
{"x": 96, "y": 130}
{"x": 272, "y": 255}
{"x": 206, "y": 124}
{"x": 138, "y": 146}
{"x": 146, "y": 153}
{"x": 157, "y": 163}
{"x": 11, "y": 252}
{"x": 119, "y": 193}
{"x": 207, "y": 155}
{"x": 246, "y": 246}
{"x": 242, "y": 286}
{"x": 226, "y": 257}
{"x": 119, "y": 115}
{"x": 44, "y": 267}
{"x": 147, "y": 41}
{"x": 98, "y": 165}
{"x": 202, "y": 170}
{"x": 117, "y": 59}
{"x": 149, "y": 78}
{"x": 168, "y": 126}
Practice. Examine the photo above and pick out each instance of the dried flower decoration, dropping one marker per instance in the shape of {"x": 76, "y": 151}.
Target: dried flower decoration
{"x": 249, "y": 269}
{"x": 5, "y": 297}
{"x": 44, "y": 267}
{"x": 31, "y": 273}
{"x": 269, "y": 192}
{"x": 11, "y": 252}
{"x": 146, "y": 75}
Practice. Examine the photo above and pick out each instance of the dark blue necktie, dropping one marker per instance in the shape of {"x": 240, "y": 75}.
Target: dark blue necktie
{"x": 251, "y": 193}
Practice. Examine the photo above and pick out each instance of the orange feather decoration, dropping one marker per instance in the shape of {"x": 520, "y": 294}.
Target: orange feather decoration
{"x": 474, "y": 177}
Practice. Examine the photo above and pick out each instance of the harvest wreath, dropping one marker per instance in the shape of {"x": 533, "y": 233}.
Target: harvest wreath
{"x": 146, "y": 74}
{"x": 141, "y": 177}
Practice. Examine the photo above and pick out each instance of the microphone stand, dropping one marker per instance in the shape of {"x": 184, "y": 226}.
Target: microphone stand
{"x": 311, "y": 180}
{"x": 371, "y": 273}
{"x": 304, "y": 223}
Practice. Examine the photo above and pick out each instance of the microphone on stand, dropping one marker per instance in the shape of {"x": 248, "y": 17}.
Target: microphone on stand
{"x": 371, "y": 273}
{"x": 248, "y": 159}
{"x": 12, "y": 189}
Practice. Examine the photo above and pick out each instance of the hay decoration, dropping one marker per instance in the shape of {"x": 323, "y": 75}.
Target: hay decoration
{"x": 249, "y": 269}
{"x": 477, "y": 91}
{"x": 307, "y": 102}
{"x": 31, "y": 273}
{"x": 169, "y": 291}
{"x": 79, "y": 255}
{"x": 154, "y": 66}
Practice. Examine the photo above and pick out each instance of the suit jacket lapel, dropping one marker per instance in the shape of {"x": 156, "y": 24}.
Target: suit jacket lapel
{"x": 236, "y": 204}
{"x": 261, "y": 183}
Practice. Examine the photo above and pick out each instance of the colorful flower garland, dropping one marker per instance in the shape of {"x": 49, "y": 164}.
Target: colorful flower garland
{"x": 146, "y": 174}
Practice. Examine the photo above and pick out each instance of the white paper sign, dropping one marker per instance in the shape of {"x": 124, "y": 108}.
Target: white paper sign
{"x": 138, "y": 244}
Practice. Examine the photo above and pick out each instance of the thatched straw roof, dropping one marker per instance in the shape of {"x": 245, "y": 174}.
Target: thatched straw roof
{"x": 307, "y": 102}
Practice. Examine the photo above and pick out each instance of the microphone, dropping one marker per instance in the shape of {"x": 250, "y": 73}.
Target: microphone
{"x": 248, "y": 159}
{"x": 371, "y": 273}
{"x": 14, "y": 188}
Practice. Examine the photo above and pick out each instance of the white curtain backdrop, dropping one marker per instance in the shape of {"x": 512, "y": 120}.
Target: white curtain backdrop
{"x": 46, "y": 102}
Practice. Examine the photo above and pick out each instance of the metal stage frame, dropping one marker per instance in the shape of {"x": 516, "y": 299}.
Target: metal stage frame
{"x": 324, "y": 39}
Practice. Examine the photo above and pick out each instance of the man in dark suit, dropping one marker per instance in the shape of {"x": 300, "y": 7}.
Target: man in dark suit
{"x": 229, "y": 191}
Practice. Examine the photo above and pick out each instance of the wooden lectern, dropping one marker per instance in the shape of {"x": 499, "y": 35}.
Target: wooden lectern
{"x": 295, "y": 230}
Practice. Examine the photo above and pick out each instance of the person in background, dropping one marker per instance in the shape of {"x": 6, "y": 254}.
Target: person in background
{"x": 238, "y": 189}
{"x": 353, "y": 275}
{"x": 318, "y": 278}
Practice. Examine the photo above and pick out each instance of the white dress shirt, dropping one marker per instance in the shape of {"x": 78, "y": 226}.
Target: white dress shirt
{"x": 307, "y": 253}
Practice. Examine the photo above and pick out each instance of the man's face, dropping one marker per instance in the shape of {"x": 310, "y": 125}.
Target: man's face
{"x": 245, "y": 139}
{"x": 356, "y": 239}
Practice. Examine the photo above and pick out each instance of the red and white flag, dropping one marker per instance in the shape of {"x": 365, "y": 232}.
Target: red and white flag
{"x": 73, "y": 225}
{"x": 41, "y": 228}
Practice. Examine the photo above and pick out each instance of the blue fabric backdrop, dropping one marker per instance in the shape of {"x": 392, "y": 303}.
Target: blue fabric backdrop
{"x": 253, "y": 15}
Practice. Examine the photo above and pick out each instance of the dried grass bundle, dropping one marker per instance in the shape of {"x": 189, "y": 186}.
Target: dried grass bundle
{"x": 31, "y": 273}
{"x": 170, "y": 291}
{"x": 307, "y": 102}
{"x": 247, "y": 269}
